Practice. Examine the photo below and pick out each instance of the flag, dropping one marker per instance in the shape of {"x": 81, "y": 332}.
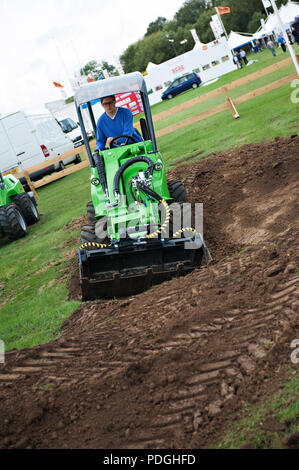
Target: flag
{"x": 267, "y": 3}
{"x": 58, "y": 85}
{"x": 222, "y": 10}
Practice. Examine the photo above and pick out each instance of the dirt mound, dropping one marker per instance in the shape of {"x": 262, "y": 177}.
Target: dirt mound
{"x": 248, "y": 193}
{"x": 165, "y": 368}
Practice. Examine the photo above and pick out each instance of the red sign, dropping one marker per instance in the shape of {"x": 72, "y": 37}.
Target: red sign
{"x": 132, "y": 101}
{"x": 177, "y": 69}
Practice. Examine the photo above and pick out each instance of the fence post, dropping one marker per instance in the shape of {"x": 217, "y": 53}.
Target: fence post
{"x": 2, "y": 352}
{"x": 230, "y": 104}
{"x": 30, "y": 183}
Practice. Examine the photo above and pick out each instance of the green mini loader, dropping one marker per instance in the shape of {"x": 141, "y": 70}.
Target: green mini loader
{"x": 136, "y": 237}
{"x": 17, "y": 208}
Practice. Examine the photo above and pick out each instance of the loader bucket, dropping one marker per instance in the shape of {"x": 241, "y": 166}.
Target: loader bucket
{"x": 132, "y": 267}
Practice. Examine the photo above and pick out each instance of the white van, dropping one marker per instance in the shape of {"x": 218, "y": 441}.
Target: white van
{"x": 73, "y": 130}
{"x": 66, "y": 115}
{"x": 26, "y": 140}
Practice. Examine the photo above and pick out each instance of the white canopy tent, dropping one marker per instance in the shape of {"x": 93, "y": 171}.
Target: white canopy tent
{"x": 236, "y": 40}
{"x": 287, "y": 13}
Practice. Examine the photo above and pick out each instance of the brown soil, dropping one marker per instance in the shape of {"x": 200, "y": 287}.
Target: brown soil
{"x": 171, "y": 367}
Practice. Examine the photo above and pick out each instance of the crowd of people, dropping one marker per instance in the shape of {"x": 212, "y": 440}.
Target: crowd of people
{"x": 270, "y": 42}
{"x": 240, "y": 58}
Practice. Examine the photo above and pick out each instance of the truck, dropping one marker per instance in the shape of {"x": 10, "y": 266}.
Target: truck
{"x": 26, "y": 140}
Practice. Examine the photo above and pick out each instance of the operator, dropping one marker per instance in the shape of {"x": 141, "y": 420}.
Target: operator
{"x": 114, "y": 122}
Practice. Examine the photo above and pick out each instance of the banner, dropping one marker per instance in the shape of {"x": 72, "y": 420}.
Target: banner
{"x": 223, "y": 10}
{"x": 216, "y": 31}
{"x": 195, "y": 37}
{"x": 132, "y": 101}
{"x": 217, "y": 24}
{"x": 119, "y": 66}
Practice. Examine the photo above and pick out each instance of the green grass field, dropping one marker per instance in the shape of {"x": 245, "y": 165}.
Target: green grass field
{"x": 34, "y": 301}
{"x": 33, "y": 285}
{"x": 283, "y": 408}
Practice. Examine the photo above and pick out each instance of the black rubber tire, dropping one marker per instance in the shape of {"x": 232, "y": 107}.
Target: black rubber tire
{"x": 61, "y": 166}
{"x": 90, "y": 212}
{"x": 78, "y": 159}
{"x": 170, "y": 96}
{"x": 12, "y": 222}
{"x": 194, "y": 85}
{"x": 27, "y": 208}
{"x": 95, "y": 233}
{"x": 101, "y": 230}
{"x": 177, "y": 191}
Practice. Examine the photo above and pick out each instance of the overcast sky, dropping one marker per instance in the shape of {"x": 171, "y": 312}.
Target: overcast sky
{"x": 45, "y": 41}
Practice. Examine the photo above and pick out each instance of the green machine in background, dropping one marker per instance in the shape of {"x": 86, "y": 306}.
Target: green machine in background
{"x": 17, "y": 208}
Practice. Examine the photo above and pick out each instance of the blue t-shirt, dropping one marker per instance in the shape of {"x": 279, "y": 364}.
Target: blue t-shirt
{"x": 120, "y": 125}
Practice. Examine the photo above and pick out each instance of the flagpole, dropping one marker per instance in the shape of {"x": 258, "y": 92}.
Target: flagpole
{"x": 266, "y": 9}
{"x": 286, "y": 38}
{"x": 221, "y": 23}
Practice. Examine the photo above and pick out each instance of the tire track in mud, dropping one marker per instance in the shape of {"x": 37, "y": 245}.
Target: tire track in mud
{"x": 188, "y": 408}
{"x": 63, "y": 356}
{"x": 239, "y": 334}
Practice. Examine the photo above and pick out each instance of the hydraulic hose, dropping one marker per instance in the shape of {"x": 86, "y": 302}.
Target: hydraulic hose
{"x": 101, "y": 170}
{"x": 166, "y": 221}
{"x": 93, "y": 244}
{"x": 124, "y": 166}
{"x": 2, "y": 184}
{"x": 156, "y": 196}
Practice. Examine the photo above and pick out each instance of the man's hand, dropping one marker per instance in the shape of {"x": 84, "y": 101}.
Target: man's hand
{"x": 109, "y": 140}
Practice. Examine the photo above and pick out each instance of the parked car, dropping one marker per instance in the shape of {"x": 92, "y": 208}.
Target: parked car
{"x": 180, "y": 84}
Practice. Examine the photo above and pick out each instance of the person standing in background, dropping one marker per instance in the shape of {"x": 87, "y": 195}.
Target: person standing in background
{"x": 282, "y": 43}
{"x": 238, "y": 55}
{"x": 270, "y": 46}
{"x": 243, "y": 55}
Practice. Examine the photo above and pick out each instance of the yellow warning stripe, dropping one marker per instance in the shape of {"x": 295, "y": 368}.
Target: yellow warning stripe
{"x": 92, "y": 244}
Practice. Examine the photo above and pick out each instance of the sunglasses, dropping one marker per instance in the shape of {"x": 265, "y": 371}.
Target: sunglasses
{"x": 108, "y": 103}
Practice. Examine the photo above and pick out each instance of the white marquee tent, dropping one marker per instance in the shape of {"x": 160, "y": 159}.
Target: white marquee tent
{"x": 287, "y": 13}
{"x": 236, "y": 40}
{"x": 150, "y": 66}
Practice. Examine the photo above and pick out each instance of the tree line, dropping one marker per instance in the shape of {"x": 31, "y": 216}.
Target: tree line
{"x": 165, "y": 39}
{"x": 156, "y": 47}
